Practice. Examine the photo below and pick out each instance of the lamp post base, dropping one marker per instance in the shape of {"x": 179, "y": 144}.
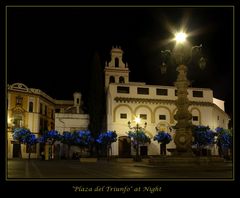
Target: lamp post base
{"x": 183, "y": 141}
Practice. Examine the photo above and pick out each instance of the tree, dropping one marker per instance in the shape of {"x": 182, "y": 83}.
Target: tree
{"x": 50, "y": 138}
{"x": 203, "y": 136}
{"x": 25, "y": 136}
{"x": 163, "y": 138}
{"x": 30, "y": 140}
{"x": 106, "y": 139}
{"x": 83, "y": 139}
{"x": 68, "y": 139}
{"x": 138, "y": 137}
{"x": 224, "y": 141}
{"x": 96, "y": 101}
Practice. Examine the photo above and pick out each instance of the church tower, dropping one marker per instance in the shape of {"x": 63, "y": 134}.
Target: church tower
{"x": 77, "y": 101}
{"x": 116, "y": 71}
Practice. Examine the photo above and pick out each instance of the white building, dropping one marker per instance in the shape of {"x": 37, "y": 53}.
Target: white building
{"x": 155, "y": 104}
{"x": 69, "y": 117}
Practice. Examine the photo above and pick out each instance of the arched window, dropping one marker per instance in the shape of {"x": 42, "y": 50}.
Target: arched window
{"x": 30, "y": 106}
{"x": 121, "y": 79}
{"x": 116, "y": 62}
{"x": 111, "y": 79}
{"x": 18, "y": 120}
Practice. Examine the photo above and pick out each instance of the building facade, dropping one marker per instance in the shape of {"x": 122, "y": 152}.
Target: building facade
{"x": 69, "y": 117}
{"x": 33, "y": 109}
{"x": 155, "y": 105}
{"x": 30, "y": 108}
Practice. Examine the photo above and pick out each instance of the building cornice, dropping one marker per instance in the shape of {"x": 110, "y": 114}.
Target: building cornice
{"x": 21, "y": 88}
{"x": 142, "y": 100}
{"x": 161, "y": 101}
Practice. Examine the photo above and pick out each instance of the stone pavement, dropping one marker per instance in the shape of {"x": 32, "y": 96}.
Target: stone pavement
{"x": 124, "y": 169}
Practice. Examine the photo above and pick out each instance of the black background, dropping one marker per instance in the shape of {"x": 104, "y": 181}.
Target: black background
{"x": 52, "y": 49}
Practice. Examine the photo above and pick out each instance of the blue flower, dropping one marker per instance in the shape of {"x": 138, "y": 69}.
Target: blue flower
{"x": 139, "y": 137}
{"x": 107, "y": 137}
{"x": 162, "y": 137}
{"x": 203, "y": 136}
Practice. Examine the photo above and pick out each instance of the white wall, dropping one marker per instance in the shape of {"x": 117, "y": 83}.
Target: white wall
{"x": 219, "y": 103}
{"x": 204, "y": 110}
{"x": 64, "y": 121}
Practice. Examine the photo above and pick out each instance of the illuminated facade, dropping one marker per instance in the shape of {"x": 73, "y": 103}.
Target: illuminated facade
{"x": 33, "y": 109}
{"x": 155, "y": 105}
{"x": 70, "y": 117}
{"x": 30, "y": 108}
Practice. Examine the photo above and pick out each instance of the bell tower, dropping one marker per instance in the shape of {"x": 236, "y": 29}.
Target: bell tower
{"x": 77, "y": 101}
{"x": 115, "y": 70}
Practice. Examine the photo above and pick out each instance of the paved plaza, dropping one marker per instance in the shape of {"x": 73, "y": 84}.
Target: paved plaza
{"x": 121, "y": 169}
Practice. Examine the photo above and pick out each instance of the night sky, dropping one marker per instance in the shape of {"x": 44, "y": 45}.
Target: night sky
{"x": 51, "y": 48}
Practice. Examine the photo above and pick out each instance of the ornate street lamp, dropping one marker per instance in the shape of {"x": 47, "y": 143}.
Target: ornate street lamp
{"x": 137, "y": 129}
{"x": 181, "y": 57}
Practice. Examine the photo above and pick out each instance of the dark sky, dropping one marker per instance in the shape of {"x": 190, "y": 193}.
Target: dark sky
{"x": 51, "y": 48}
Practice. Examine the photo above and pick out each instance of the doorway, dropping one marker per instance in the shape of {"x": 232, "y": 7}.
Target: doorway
{"x": 16, "y": 150}
{"x": 124, "y": 146}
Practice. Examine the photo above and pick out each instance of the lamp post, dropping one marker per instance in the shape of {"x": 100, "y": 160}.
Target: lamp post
{"x": 181, "y": 57}
{"x": 137, "y": 129}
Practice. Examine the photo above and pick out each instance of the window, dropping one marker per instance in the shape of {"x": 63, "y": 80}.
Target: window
{"x": 52, "y": 113}
{"x": 143, "y": 116}
{"x": 116, "y": 62}
{"x": 18, "y": 120}
{"x": 45, "y": 123}
{"x": 41, "y": 127}
{"x": 52, "y": 126}
{"x": 175, "y": 92}
{"x": 46, "y": 110}
{"x": 162, "y": 92}
{"x": 198, "y": 94}
{"x": 123, "y": 116}
{"x": 121, "y": 79}
{"x": 111, "y": 79}
{"x": 162, "y": 117}
{"x": 141, "y": 90}
{"x": 30, "y": 106}
{"x": 41, "y": 108}
{"x": 19, "y": 100}
{"x": 218, "y": 117}
{"x": 121, "y": 89}
{"x": 195, "y": 118}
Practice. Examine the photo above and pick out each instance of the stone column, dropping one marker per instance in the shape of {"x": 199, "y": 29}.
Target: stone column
{"x": 183, "y": 138}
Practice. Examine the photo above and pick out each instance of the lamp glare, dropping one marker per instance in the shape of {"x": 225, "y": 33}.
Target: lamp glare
{"x": 180, "y": 37}
{"x": 138, "y": 120}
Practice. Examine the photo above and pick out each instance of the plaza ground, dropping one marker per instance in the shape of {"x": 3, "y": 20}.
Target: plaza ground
{"x": 118, "y": 169}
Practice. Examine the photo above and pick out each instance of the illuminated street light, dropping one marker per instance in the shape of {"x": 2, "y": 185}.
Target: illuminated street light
{"x": 138, "y": 130}
{"x": 137, "y": 120}
{"x": 181, "y": 57}
{"x": 180, "y": 37}
{"x": 137, "y": 127}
